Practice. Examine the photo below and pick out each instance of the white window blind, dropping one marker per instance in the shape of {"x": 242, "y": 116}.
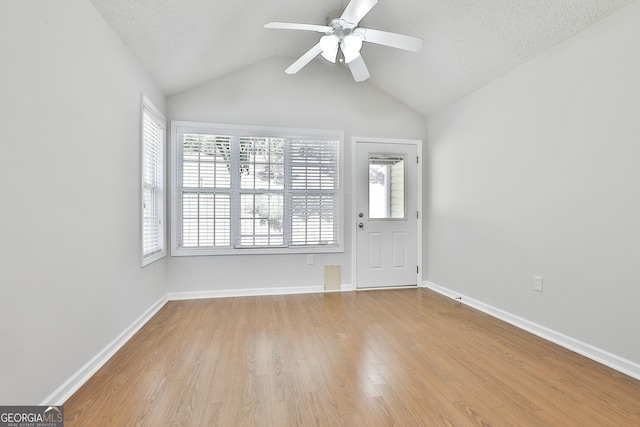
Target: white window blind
{"x": 241, "y": 189}
{"x": 153, "y": 188}
{"x": 313, "y": 197}
{"x": 205, "y": 183}
{"x": 262, "y": 188}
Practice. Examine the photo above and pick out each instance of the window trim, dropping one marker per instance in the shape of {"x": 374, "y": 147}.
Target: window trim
{"x": 180, "y": 127}
{"x": 147, "y": 259}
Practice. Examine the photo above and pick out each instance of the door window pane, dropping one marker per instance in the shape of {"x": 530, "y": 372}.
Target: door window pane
{"x": 386, "y": 187}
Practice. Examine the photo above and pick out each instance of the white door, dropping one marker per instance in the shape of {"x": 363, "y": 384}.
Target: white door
{"x": 386, "y": 223}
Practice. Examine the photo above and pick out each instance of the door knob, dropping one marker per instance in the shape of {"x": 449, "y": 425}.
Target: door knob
{"x": 360, "y": 214}
{"x": 361, "y": 225}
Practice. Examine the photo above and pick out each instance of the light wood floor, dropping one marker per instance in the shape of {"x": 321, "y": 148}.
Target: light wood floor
{"x": 377, "y": 358}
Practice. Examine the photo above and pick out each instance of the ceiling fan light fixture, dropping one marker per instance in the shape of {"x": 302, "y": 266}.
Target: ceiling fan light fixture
{"x": 343, "y": 38}
{"x": 351, "y": 46}
{"x": 329, "y": 45}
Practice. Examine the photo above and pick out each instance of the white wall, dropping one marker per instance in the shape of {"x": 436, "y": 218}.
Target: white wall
{"x": 70, "y": 276}
{"x": 538, "y": 173}
{"x": 319, "y": 96}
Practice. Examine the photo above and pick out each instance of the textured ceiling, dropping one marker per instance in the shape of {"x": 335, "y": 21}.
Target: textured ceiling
{"x": 467, "y": 43}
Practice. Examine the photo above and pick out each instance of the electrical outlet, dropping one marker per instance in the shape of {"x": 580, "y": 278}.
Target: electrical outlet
{"x": 537, "y": 283}
{"x": 310, "y": 260}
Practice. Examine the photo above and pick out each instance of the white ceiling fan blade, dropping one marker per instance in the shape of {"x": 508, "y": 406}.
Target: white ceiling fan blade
{"x": 400, "y": 41}
{"x": 359, "y": 69}
{"x": 304, "y": 59}
{"x": 356, "y": 10}
{"x": 294, "y": 26}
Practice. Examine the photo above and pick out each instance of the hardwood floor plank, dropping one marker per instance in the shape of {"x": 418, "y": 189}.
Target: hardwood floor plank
{"x": 379, "y": 358}
{"x": 279, "y": 413}
{"x": 436, "y": 411}
{"x": 220, "y": 382}
{"x": 522, "y": 418}
{"x": 327, "y": 397}
{"x": 625, "y": 406}
{"x": 557, "y": 418}
{"x": 381, "y": 412}
{"x": 479, "y": 415}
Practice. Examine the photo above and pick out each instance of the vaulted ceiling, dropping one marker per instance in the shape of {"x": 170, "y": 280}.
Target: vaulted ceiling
{"x": 467, "y": 43}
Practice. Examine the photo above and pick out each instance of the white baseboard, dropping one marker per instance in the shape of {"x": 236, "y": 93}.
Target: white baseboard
{"x": 611, "y": 360}
{"x": 253, "y": 292}
{"x": 66, "y": 390}
{"x": 387, "y": 288}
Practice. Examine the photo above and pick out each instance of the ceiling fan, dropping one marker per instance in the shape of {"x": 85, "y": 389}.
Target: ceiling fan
{"x": 343, "y": 39}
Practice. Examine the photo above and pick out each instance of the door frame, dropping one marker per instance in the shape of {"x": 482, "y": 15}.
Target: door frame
{"x": 354, "y": 228}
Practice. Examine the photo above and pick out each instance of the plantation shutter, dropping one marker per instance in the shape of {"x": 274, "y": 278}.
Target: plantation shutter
{"x": 153, "y": 134}
{"x": 205, "y": 184}
{"x": 313, "y": 195}
{"x": 242, "y": 189}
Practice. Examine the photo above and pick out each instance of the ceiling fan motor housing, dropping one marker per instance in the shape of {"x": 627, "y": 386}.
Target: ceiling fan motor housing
{"x": 333, "y": 16}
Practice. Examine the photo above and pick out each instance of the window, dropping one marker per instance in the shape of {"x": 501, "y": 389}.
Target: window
{"x": 386, "y": 186}
{"x": 242, "y": 189}
{"x": 152, "y": 182}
